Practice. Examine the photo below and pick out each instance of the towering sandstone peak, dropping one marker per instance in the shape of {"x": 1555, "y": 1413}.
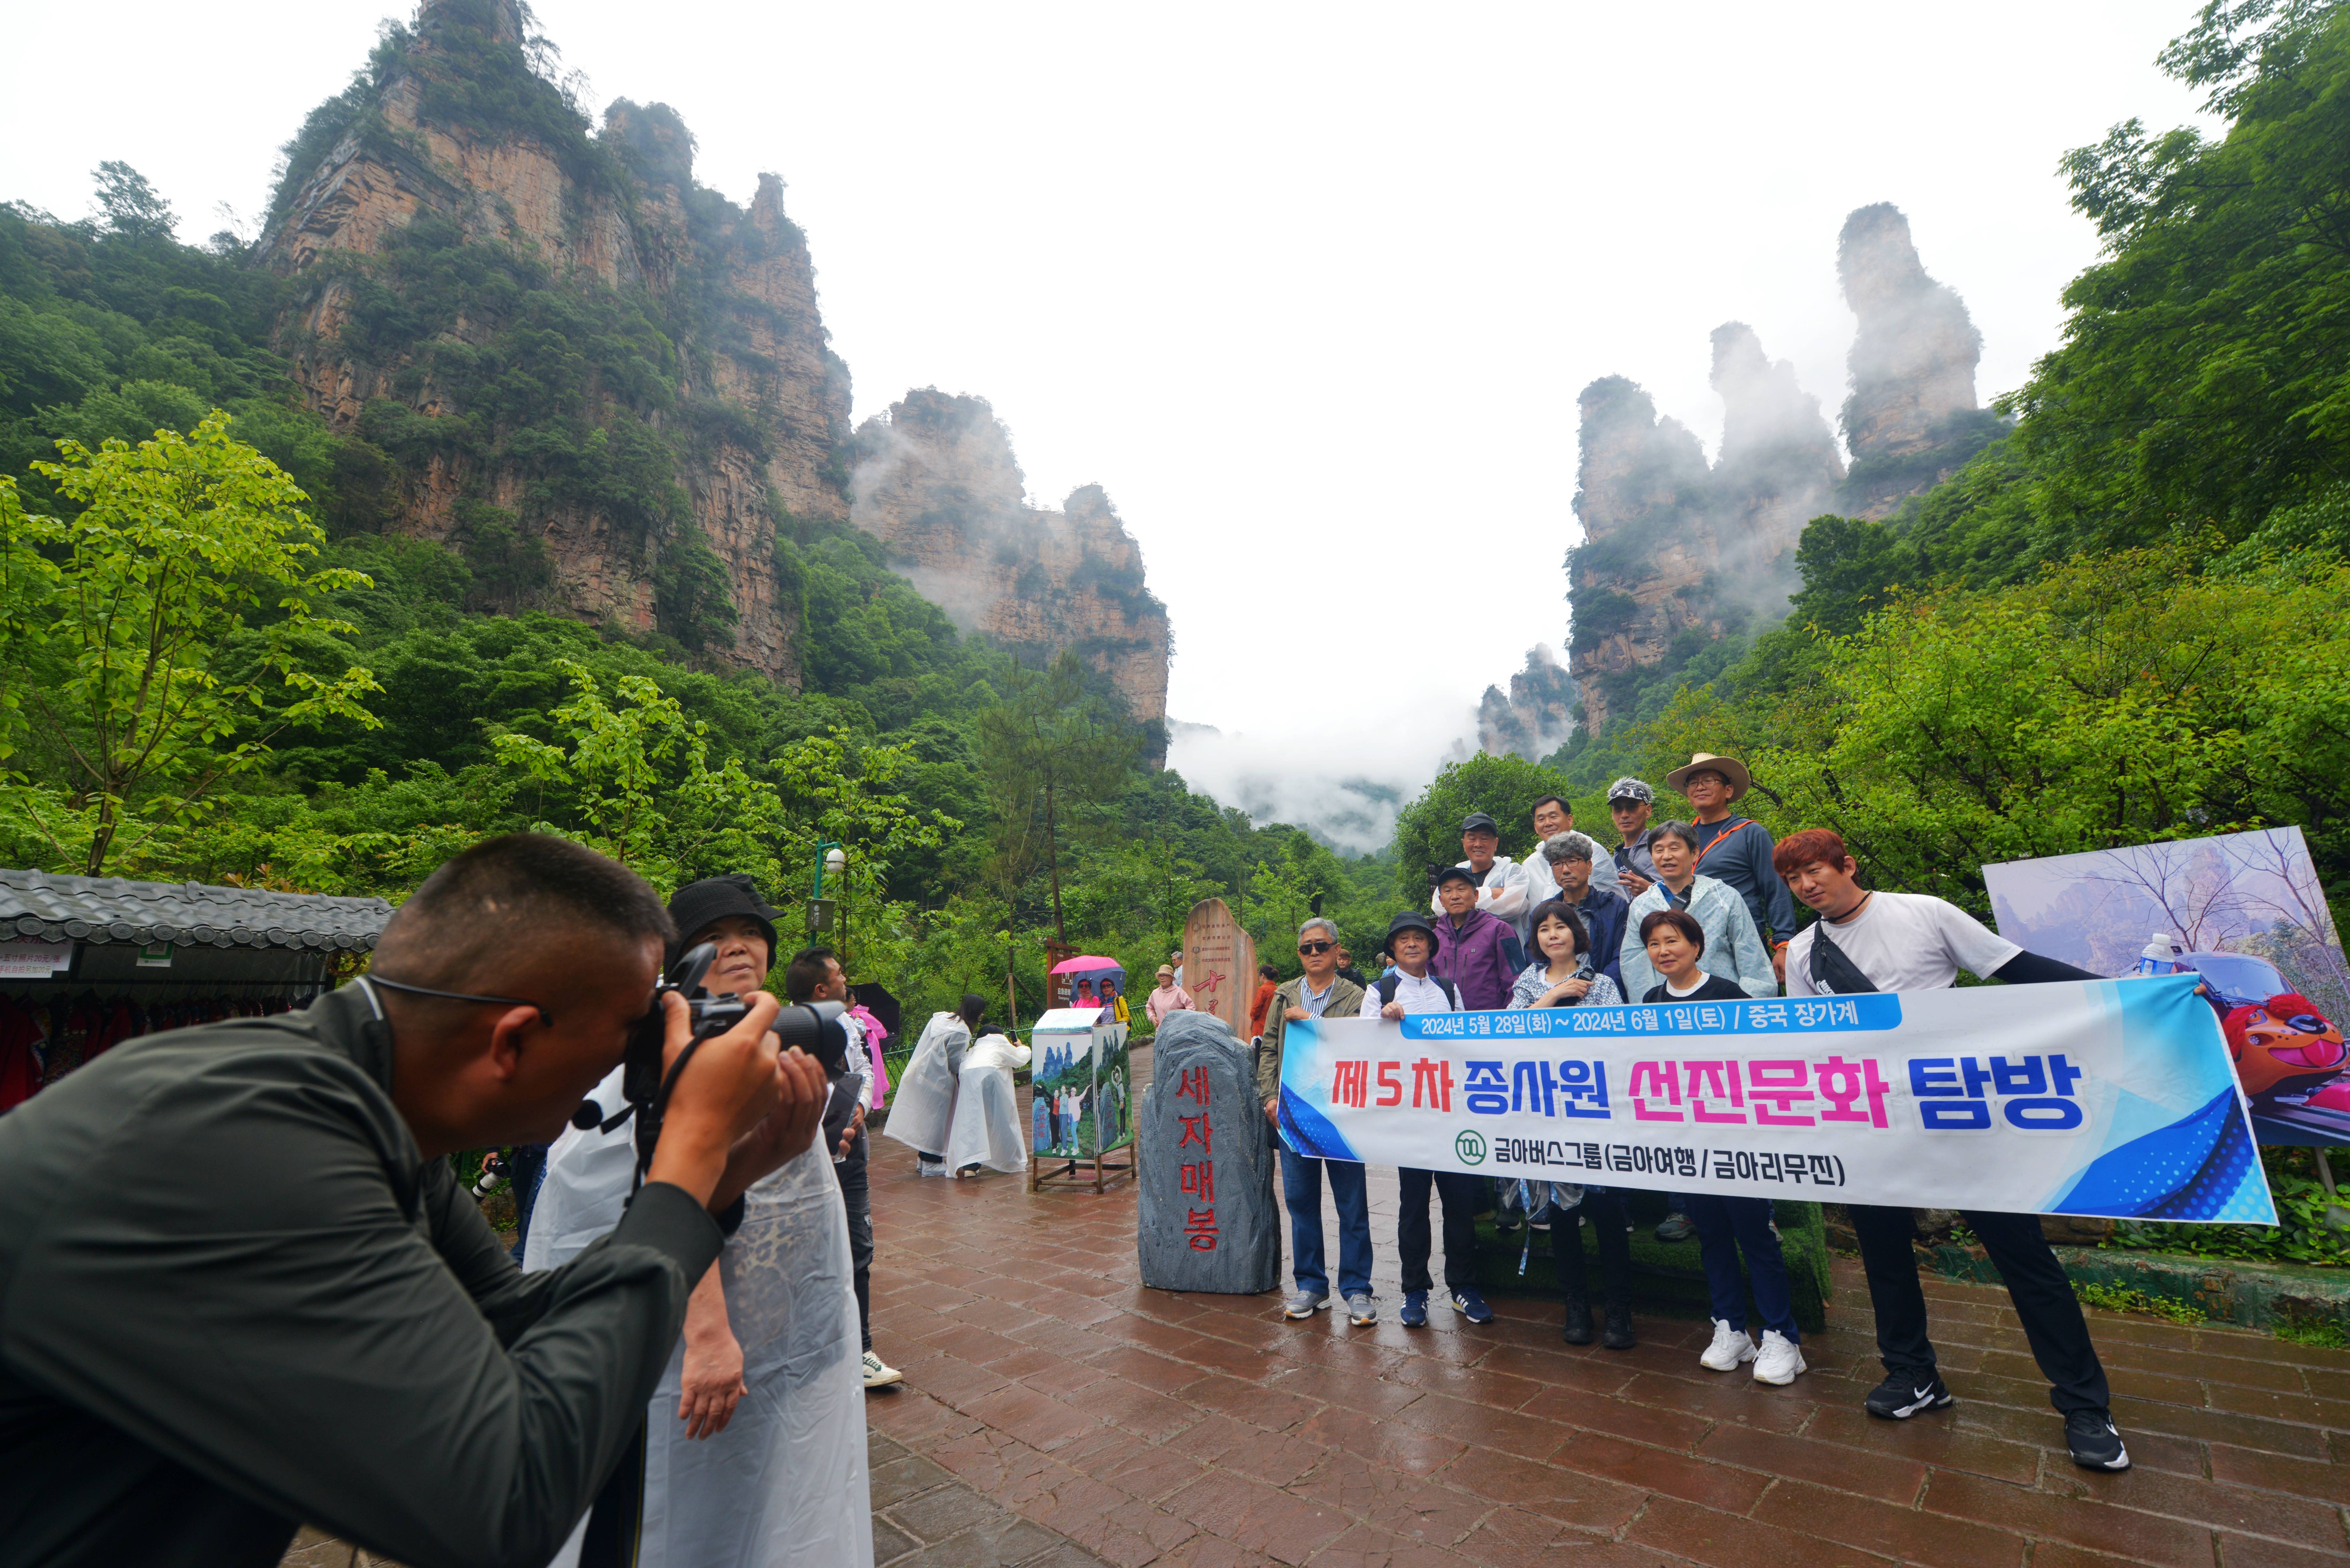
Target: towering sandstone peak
{"x": 1677, "y": 553}
{"x": 1911, "y": 418}
{"x": 1536, "y": 717}
{"x": 606, "y": 384}
{"x": 937, "y": 483}
{"x": 1779, "y": 466}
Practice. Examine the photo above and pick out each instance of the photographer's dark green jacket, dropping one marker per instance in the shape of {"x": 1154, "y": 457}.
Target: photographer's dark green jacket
{"x": 233, "y": 1296}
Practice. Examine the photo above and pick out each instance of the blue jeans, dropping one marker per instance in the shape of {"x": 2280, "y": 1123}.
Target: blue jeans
{"x": 1301, "y": 1190}
{"x": 1725, "y": 1228}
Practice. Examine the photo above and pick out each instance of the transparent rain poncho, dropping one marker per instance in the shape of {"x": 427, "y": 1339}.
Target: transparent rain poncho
{"x": 986, "y": 1129}
{"x": 921, "y": 1101}
{"x": 784, "y": 1484}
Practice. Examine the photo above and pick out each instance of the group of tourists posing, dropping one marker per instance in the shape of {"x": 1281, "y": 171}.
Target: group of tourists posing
{"x": 1680, "y": 911}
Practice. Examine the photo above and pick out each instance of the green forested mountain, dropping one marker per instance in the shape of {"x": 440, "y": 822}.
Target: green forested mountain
{"x": 225, "y": 654}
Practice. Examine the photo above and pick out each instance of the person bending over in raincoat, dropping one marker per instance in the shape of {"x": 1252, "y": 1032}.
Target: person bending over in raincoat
{"x": 985, "y": 1131}
{"x": 753, "y": 1448}
{"x": 921, "y": 1111}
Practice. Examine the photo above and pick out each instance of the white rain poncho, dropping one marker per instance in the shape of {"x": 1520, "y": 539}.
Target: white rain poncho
{"x": 922, "y": 1098}
{"x": 784, "y": 1485}
{"x": 986, "y": 1129}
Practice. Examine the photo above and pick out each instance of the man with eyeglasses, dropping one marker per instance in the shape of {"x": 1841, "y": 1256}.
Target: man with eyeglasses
{"x": 1552, "y": 817}
{"x": 196, "y": 1353}
{"x": 1319, "y": 993}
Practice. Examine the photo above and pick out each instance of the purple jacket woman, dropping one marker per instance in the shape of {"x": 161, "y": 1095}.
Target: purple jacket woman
{"x": 1479, "y": 954}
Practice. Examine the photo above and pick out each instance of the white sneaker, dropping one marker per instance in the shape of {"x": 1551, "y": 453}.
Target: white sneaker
{"x": 880, "y": 1373}
{"x": 929, "y": 1168}
{"x": 1731, "y": 1349}
{"x": 1779, "y": 1359}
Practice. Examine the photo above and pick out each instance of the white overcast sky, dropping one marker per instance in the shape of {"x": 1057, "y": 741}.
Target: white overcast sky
{"x": 1311, "y": 289}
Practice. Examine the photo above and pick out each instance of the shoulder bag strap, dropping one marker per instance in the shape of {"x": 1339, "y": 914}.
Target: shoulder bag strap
{"x": 1833, "y": 970}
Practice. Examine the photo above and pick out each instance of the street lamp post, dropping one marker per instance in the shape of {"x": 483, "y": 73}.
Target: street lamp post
{"x": 830, "y": 857}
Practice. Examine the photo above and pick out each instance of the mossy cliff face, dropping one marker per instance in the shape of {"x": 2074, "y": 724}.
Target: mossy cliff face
{"x": 937, "y": 483}
{"x": 607, "y": 385}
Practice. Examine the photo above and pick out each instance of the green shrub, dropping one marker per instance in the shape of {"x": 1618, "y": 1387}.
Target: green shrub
{"x": 2114, "y": 1298}
{"x": 2301, "y": 1234}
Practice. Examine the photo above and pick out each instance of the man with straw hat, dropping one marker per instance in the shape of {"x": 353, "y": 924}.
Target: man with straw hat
{"x": 1734, "y": 850}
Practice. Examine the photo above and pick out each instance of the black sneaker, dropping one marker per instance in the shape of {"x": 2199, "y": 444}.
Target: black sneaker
{"x": 2095, "y": 1445}
{"x": 1903, "y": 1395}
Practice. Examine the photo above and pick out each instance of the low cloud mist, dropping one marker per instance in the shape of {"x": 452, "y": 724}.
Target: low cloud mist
{"x": 1342, "y": 774}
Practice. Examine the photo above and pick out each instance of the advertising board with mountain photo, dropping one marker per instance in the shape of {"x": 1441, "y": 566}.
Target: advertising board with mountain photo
{"x": 2246, "y": 911}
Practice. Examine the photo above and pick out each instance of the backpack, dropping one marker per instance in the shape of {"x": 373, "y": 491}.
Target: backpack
{"x": 1387, "y": 983}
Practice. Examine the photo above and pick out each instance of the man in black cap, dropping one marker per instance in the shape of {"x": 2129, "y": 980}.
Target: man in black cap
{"x": 722, "y": 1393}
{"x": 1502, "y": 886}
{"x": 1408, "y": 988}
{"x": 1631, "y": 804}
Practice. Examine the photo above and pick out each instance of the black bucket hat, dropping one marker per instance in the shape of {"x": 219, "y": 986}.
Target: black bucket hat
{"x": 697, "y": 904}
{"x": 1411, "y": 921}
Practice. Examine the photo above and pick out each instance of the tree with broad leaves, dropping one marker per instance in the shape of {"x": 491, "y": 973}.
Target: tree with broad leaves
{"x": 162, "y": 635}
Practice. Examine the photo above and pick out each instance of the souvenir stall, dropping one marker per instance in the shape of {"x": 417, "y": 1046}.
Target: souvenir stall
{"x": 87, "y": 962}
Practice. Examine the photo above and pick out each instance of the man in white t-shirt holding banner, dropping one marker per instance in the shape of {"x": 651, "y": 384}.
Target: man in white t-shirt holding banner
{"x": 1871, "y": 941}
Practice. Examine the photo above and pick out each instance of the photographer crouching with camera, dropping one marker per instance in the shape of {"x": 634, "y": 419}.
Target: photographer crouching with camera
{"x": 240, "y": 1287}
{"x": 753, "y": 1454}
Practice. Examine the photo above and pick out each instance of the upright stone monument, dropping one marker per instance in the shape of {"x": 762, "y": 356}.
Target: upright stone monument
{"x": 1219, "y": 964}
{"x": 1207, "y": 1217}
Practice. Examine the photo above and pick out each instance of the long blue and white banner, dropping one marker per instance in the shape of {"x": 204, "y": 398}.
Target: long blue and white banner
{"x": 2097, "y": 1098}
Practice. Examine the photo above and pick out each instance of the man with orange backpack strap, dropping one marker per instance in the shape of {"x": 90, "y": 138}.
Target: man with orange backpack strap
{"x": 1734, "y": 850}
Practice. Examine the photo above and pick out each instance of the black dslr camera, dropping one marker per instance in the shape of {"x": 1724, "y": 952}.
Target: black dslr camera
{"x": 814, "y": 1027}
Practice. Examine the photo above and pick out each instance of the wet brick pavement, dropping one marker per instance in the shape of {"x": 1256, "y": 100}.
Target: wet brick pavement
{"x": 1057, "y": 1412}
{"x": 1206, "y": 1430}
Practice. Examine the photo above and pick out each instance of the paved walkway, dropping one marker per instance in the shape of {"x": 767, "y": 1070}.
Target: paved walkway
{"x": 1206, "y": 1432}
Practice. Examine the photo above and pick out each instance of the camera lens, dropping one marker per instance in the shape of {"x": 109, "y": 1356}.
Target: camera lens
{"x": 815, "y": 1028}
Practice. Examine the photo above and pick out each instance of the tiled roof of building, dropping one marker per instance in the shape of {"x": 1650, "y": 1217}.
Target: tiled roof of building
{"x": 186, "y": 914}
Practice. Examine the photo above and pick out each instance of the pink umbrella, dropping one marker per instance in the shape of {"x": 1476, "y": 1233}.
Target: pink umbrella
{"x": 1087, "y": 967}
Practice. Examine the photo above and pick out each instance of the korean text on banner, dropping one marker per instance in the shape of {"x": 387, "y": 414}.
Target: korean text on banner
{"x": 2105, "y": 1097}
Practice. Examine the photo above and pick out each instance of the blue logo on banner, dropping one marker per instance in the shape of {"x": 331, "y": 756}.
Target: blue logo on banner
{"x": 1777, "y": 1015}
{"x": 1309, "y": 1132}
{"x": 2196, "y": 1169}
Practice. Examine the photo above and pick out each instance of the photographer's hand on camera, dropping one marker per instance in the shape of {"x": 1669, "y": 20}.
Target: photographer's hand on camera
{"x": 731, "y": 1087}
{"x": 788, "y": 1130}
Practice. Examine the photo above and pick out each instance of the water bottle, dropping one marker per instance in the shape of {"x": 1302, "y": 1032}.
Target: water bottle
{"x": 2156, "y": 960}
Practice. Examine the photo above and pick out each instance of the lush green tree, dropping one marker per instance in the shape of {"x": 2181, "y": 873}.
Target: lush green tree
{"x": 2204, "y": 378}
{"x": 162, "y": 635}
{"x": 131, "y": 206}
{"x": 1054, "y": 755}
{"x": 2114, "y": 700}
{"x": 635, "y": 782}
